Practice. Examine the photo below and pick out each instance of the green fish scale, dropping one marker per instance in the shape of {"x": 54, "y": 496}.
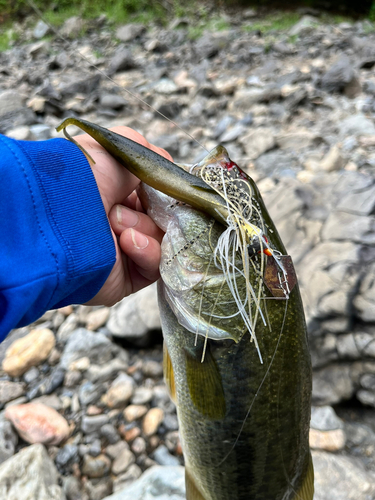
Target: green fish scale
{"x": 270, "y": 458}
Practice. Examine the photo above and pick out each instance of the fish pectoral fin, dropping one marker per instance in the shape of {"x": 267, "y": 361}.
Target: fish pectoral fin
{"x": 205, "y": 385}
{"x": 192, "y": 492}
{"x": 168, "y": 373}
{"x": 307, "y": 489}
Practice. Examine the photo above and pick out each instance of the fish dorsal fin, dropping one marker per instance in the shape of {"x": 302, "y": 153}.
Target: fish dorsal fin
{"x": 205, "y": 385}
{"x": 192, "y": 492}
{"x": 307, "y": 489}
{"x": 168, "y": 373}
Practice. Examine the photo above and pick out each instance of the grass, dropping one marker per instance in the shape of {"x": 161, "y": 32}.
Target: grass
{"x": 215, "y": 24}
{"x": 202, "y": 15}
{"x": 7, "y": 36}
{"x": 280, "y": 21}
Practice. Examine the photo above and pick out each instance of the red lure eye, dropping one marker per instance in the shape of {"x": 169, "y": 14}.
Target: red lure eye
{"x": 230, "y": 165}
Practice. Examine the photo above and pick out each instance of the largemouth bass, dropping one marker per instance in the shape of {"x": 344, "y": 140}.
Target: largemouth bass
{"x": 236, "y": 359}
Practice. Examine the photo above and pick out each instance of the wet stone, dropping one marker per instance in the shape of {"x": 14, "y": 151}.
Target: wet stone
{"x": 8, "y": 440}
{"x": 66, "y": 454}
{"x": 122, "y": 462}
{"x": 109, "y": 433}
{"x": 89, "y": 393}
{"x": 141, "y": 396}
{"x": 114, "y": 450}
{"x": 95, "y": 467}
{"x": 31, "y": 375}
{"x": 163, "y": 457}
{"x": 120, "y": 392}
{"x": 152, "y": 420}
{"x": 125, "y": 479}
{"x": 134, "y": 412}
{"x": 10, "y": 390}
{"x": 94, "y": 423}
{"x": 138, "y": 446}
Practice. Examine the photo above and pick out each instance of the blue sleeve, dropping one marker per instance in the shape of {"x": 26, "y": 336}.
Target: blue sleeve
{"x": 56, "y": 246}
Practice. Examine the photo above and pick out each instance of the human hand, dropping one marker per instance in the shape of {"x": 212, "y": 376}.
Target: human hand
{"x": 136, "y": 236}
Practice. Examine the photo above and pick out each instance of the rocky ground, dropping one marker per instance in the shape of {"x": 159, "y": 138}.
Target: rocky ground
{"x": 296, "y": 107}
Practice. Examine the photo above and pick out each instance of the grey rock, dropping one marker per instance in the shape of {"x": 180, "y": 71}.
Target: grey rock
{"x": 122, "y": 60}
{"x": 366, "y": 397}
{"x": 72, "y": 378}
{"x": 135, "y": 315}
{"x": 93, "y": 423}
{"x": 356, "y": 125}
{"x": 41, "y": 29}
{"x": 40, "y": 132}
{"x": 112, "y": 101}
{"x": 233, "y": 133}
{"x": 122, "y": 480}
{"x": 341, "y": 478}
{"x": 305, "y": 25}
{"x": 152, "y": 369}
{"x": 339, "y": 76}
{"x": 10, "y": 102}
{"x": 10, "y": 390}
{"x": 209, "y": 45}
{"x": 161, "y": 483}
{"x": 89, "y": 393}
{"x": 324, "y": 418}
{"x": 348, "y": 226}
{"x": 358, "y": 202}
{"x": 95, "y": 448}
{"x": 19, "y": 133}
{"x": 30, "y": 474}
{"x": 122, "y": 462}
{"x": 31, "y": 375}
{"x": 95, "y": 467}
{"x": 54, "y": 380}
{"x": 243, "y": 99}
{"x": 67, "y": 327}
{"x": 8, "y": 440}
{"x": 141, "y": 396}
{"x": 170, "y": 422}
{"x": 52, "y": 401}
{"x": 222, "y": 126}
{"x": 68, "y": 453}
{"x": 163, "y": 457}
{"x": 365, "y": 301}
{"x": 100, "y": 374}
{"x": 98, "y": 489}
{"x": 110, "y": 434}
{"x": 129, "y": 32}
{"x": 82, "y": 342}
{"x": 114, "y": 450}
{"x": 80, "y": 85}
{"x": 332, "y": 384}
{"x": 72, "y": 489}
{"x": 298, "y": 139}
{"x": 258, "y": 141}
{"x": 277, "y": 163}
{"x": 165, "y": 86}
{"x": 139, "y": 445}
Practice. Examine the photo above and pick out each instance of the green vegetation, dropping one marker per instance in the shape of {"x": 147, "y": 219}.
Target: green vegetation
{"x": 280, "y": 21}
{"x": 7, "y": 36}
{"x": 204, "y": 16}
{"x": 214, "y": 24}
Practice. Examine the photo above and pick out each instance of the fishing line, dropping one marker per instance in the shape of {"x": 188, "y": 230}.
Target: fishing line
{"x": 258, "y": 390}
{"x": 91, "y": 65}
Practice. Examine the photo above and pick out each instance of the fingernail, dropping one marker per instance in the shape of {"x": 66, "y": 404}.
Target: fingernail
{"x": 126, "y": 217}
{"x": 140, "y": 241}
